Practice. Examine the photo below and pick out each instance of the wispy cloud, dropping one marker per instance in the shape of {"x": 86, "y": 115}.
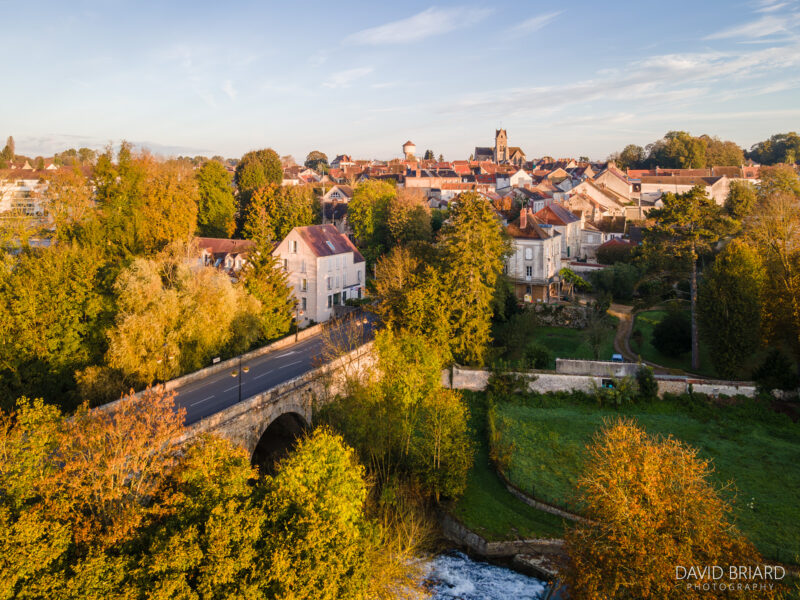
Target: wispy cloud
{"x": 229, "y": 90}
{"x": 535, "y": 23}
{"x": 763, "y": 27}
{"x": 767, "y": 6}
{"x": 430, "y": 22}
{"x": 342, "y": 79}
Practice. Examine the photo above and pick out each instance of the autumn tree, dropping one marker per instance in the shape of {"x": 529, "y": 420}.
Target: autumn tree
{"x": 721, "y": 153}
{"x": 408, "y": 218}
{"x": 729, "y": 307}
{"x": 473, "y": 251}
{"x": 651, "y": 507}
{"x": 216, "y": 209}
{"x": 75, "y": 491}
{"x": 173, "y": 319}
{"x": 687, "y": 225}
{"x": 9, "y": 150}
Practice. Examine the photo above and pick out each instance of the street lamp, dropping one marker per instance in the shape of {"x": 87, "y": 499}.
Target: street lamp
{"x": 238, "y": 374}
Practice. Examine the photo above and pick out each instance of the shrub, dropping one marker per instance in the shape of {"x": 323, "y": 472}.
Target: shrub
{"x": 776, "y": 372}
{"x": 648, "y": 386}
{"x": 673, "y": 335}
{"x": 537, "y": 356}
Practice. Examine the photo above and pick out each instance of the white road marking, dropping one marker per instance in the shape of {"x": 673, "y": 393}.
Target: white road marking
{"x": 201, "y": 401}
{"x": 297, "y": 362}
{"x": 232, "y": 388}
{"x": 264, "y": 373}
{"x": 287, "y": 354}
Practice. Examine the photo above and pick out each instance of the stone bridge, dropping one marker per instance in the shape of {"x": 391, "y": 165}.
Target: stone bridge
{"x": 268, "y": 418}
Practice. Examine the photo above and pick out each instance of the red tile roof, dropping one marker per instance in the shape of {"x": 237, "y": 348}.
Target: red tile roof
{"x": 325, "y": 240}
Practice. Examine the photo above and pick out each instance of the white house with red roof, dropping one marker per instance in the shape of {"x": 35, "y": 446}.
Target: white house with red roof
{"x": 566, "y": 223}
{"x": 323, "y": 268}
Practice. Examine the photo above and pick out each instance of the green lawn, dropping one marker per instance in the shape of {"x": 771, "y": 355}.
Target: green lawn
{"x": 645, "y": 322}
{"x": 754, "y": 448}
{"x": 564, "y": 342}
{"x": 486, "y": 506}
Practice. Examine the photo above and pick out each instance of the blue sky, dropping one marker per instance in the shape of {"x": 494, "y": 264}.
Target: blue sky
{"x": 580, "y": 78}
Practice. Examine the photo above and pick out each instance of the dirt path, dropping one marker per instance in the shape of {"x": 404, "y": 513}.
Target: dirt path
{"x": 622, "y": 339}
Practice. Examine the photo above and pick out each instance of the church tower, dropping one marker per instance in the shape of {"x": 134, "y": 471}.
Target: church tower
{"x": 500, "y": 146}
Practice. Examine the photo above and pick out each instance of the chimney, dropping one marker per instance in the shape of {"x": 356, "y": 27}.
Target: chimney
{"x": 523, "y": 219}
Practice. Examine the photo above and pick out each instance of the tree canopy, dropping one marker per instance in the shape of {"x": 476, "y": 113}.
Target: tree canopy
{"x": 217, "y": 206}
{"x": 780, "y": 148}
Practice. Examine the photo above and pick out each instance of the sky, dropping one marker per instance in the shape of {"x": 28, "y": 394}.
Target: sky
{"x": 361, "y": 78}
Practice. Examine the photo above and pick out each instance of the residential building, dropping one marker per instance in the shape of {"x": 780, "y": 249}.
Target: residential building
{"x": 591, "y": 239}
{"x": 566, "y": 223}
{"x": 716, "y": 188}
{"x": 324, "y": 269}
{"x": 536, "y": 259}
{"x": 225, "y": 254}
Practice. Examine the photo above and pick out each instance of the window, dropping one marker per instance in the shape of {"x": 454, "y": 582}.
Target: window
{"x": 303, "y": 303}
{"x": 330, "y": 283}
{"x": 330, "y": 264}
{"x": 528, "y": 271}
{"x": 303, "y": 266}
{"x": 304, "y": 286}
{"x": 330, "y": 301}
{"x": 286, "y": 264}
{"x": 359, "y": 276}
{"x": 528, "y": 253}
{"x": 336, "y": 298}
{"x": 293, "y": 246}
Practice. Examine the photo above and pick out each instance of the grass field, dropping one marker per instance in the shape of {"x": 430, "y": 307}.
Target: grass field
{"x": 645, "y": 322}
{"x": 486, "y": 506}
{"x": 564, "y": 342}
{"x": 750, "y": 446}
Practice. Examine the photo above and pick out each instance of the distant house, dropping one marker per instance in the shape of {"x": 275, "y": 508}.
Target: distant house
{"x": 225, "y": 254}
{"x": 338, "y": 193}
{"x": 716, "y": 188}
{"x": 324, "y": 269}
{"x": 591, "y": 239}
{"x": 566, "y": 223}
{"x": 611, "y": 201}
{"x": 342, "y": 161}
{"x": 536, "y": 259}
{"x": 617, "y": 181}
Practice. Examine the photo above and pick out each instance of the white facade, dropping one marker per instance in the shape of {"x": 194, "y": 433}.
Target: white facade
{"x": 323, "y": 269}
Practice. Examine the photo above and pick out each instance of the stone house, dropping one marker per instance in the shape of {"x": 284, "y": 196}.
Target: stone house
{"x": 536, "y": 259}
{"x": 566, "y": 223}
{"x": 225, "y": 254}
{"x": 323, "y": 268}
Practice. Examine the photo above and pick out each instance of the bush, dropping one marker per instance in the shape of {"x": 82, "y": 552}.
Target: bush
{"x": 537, "y": 356}
{"x": 616, "y": 253}
{"x": 777, "y": 372}
{"x": 673, "y": 335}
{"x": 648, "y": 386}
{"x": 619, "y": 280}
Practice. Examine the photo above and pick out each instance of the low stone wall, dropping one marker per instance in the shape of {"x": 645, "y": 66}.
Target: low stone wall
{"x": 458, "y": 533}
{"x": 552, "y": 381}
{"x": 599, "y": 368}
{"x": 533, "y": 502}
{"x": 562, "y": 315}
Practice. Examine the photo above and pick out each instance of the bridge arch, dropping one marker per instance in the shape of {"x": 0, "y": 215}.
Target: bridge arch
{"x": 278, "y": 438}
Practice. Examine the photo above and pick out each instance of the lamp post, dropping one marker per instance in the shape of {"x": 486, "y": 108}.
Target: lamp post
{"x": 238, "y": 373}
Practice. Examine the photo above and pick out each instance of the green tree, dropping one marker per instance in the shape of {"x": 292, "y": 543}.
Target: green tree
{"x": 777, "y": 180}
{"x": 780, "y": 148}
{"x": 688, "y": 225}
{"x": 428, "y": 155}
{"x": 741, "y": 199}
{"x": 205, "y": 541}
{"x": 318, "y": 161}
{"x": 51, "y": 315}
{"x": 275, "y": 210}
{"x": 408, "y": 218}
{"x": 673, "y": 334}
{"x": 256, "y": 170}
{"x": 679, "y": 150}
{"x": 216, "y": 209}
{"x": 473, "y": 252}
{"x": 320, "y": 543}
{"x": 368, "y": 213}
{"x": 631, "y": 157}
{"x": 722, "y": 153}
{"x": 9, "y": 151}
{"x": 729, "y": 307}
{"x": 265, "y": 280}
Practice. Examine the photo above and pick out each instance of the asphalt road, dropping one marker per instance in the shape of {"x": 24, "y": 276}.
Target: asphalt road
{"x": 204, "y": 397}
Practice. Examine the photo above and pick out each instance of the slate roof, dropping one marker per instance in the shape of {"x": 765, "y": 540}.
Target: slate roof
{"x": 532, "y": 231}
{"x": 555, "y": 214}
{"x": 325, "y": 240}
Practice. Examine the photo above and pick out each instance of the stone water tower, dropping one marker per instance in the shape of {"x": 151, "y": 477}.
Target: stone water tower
{"x": 409, "y": 149}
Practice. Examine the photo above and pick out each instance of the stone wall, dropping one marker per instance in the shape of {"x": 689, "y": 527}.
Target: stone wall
{"x": 599, "y": 368}
{"x": 456, "y": 532}
{"x": 562, "y": 315}
{"x": 550, "y": 381}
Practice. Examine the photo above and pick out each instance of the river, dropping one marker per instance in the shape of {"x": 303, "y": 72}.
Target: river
{"x": 455, "y": 576}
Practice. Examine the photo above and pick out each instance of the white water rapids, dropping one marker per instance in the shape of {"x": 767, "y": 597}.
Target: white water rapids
{"x": 454, "y": 576}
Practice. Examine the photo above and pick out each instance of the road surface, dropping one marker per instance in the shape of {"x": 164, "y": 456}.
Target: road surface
{"x": 209, "y": 395}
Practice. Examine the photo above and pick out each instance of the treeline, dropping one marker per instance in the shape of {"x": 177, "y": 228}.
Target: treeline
{"x": 110, "y": 506}
{"x": 119, "y": 300}
{"x": 681, "y": 150}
